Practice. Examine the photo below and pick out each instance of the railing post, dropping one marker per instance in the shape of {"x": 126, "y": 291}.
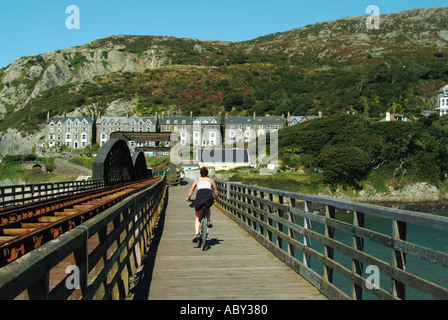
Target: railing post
{"x": 40, "y": 290}
{"x": 358, "y": 244}
{"x": 328, "y": 251}
{"x": 306, "y": 240}
{"x": 291, "y": 232}
{"x": 399, "y": 259}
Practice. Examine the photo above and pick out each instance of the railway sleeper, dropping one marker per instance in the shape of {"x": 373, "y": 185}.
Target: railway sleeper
{"x": 17, "y": 231}
{"x": 49, "y": 219}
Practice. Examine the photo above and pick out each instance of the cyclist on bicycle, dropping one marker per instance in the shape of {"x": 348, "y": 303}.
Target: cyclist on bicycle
{"x": 204, "y": 197}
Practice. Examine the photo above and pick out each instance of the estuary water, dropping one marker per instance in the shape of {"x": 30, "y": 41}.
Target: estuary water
{"x": 434, "y": 239}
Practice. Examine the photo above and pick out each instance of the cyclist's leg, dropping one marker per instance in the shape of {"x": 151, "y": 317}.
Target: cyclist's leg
{"x": 208, "y": 215}
{"x": 197, "y": 223}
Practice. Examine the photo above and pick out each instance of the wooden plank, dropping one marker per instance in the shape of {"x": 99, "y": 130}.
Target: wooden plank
{"x": 236, "y": 266}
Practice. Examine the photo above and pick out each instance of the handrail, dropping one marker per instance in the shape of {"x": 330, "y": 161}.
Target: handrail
{"x": 106, "y": 251}
{"x": 275, "y": 218}
{"x": 20, "y": 194}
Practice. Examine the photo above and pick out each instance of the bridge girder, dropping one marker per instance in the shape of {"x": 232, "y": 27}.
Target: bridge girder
{"x": 115, "y": 164}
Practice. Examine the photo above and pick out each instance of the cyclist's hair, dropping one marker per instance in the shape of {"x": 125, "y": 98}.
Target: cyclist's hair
{"x": 204, "y": 172}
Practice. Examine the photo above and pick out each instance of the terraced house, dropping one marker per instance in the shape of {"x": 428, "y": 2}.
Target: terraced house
{"x": 248, "y": 128}
{"x": 106, "y": 125}
{"x": 198, "y": 131}
{"x": 73, "y": 132}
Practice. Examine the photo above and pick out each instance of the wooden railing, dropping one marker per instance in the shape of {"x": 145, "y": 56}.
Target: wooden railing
{"x": 289, "y": 225}
{"x": 21, "y": 194}
{"x": 93, "y": 261}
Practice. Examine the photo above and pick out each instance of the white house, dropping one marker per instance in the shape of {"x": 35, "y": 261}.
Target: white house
{"x": 442, "y": 100}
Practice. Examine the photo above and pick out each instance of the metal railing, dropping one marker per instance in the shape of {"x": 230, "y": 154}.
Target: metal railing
{"x": 21, "y": 194}
{"x": 313, "y": 244}
{"x": 95, "y": 260}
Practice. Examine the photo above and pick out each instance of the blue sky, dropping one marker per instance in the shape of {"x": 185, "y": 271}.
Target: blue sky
{"x": 33, "y": 27}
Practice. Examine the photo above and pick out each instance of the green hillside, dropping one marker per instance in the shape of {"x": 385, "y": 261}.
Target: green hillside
{"x": 334, "y": 67}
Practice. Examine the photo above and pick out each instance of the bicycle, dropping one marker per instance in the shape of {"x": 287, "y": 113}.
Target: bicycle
{"x": 203, "y": 230}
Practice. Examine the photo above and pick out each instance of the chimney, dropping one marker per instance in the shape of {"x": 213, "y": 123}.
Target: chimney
{"x": 289, "y": 114}
{"x": 387, "y": 116}
{"x": 255, "y": 115}
{"x": 48, "y": 115}
{"x": 191, "y": 114}
{"x": 320, "y": 114}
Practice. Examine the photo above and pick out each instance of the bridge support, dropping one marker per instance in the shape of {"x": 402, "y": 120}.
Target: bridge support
{"x": 115, "y": 164}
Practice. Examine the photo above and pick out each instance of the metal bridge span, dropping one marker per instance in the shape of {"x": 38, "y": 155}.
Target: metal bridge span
{"x": 264, "y": 245}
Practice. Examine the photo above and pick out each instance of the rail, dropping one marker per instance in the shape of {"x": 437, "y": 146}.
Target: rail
{"x": 20, "y": 194}
{"x": 287, "y": 224}
{"x": 101, "y": 255}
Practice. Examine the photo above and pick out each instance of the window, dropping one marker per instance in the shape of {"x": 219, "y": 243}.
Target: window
{"x": 168, "y": 121}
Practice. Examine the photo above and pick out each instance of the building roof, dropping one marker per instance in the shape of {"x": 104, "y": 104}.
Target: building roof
{"x": 300, "y": 119}
{"x": 176, "y": 120}
{"x": 64, "y": 120}
{"x": 444, "y": 88}
{"x": 190, "y": 120}
{"x": 127, "y": 120}
{"x": 255, "y": 120}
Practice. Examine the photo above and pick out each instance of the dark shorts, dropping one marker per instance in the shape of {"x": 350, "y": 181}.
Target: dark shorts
{"x": 204, "y": 198}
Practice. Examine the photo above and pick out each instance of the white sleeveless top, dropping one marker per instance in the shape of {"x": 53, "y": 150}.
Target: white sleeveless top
{"x": 204, "y": 185}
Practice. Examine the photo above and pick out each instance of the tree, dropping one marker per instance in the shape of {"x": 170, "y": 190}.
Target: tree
{"x": 343, "y": 165}
{"x": 233, "y": 99}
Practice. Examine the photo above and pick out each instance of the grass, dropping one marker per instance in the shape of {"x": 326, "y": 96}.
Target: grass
{"x": 14, "y": 171}
{"x": 310, "y": 183}
{"x": 84, "y": 161}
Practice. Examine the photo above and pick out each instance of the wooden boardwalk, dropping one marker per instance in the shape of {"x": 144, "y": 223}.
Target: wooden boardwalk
{"x": 235, "y": 267}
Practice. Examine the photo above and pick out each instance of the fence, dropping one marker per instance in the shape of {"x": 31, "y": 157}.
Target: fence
{"x": 102, "y": 255}
{"x": 287, "y": 225}
{"x": 21, "y": 194}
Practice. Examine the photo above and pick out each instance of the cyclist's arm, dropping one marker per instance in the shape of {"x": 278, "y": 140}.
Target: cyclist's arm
{"x": 215, "y": 191}
{"x": 192, "y": 190}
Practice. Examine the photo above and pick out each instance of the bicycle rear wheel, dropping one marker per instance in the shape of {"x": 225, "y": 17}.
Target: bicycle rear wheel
{"x": 203, "y": 233}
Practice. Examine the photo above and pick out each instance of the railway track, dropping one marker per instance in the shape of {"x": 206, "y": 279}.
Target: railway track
{"x": 26, "y": 227}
